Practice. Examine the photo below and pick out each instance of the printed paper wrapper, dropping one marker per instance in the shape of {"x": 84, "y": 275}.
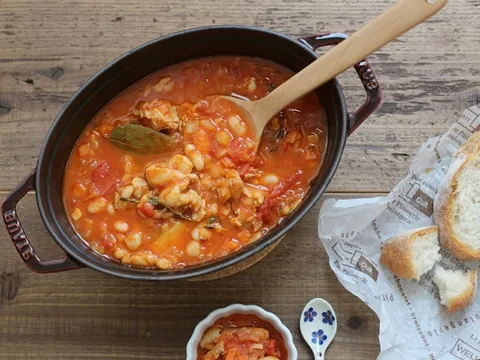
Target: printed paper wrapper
{"x": 413, "y": 323}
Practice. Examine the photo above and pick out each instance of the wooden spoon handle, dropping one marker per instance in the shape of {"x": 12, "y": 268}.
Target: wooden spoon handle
{"x": 388, "y": 26}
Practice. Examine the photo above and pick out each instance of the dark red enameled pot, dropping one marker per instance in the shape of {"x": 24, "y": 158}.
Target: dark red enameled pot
{"x": 47, "y": 178}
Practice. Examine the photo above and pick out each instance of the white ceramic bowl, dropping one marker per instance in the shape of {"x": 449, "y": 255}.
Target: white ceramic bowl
{"x": 240, "y": 309}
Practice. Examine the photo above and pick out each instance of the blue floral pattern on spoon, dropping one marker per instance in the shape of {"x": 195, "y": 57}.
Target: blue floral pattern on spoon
{"x": 309, "y": 315}
{"x": 318, "y": 336}
{"x": 328, "y": 317}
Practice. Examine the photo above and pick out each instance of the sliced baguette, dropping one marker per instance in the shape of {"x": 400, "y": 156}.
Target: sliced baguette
{"x": 457, "y": 288}
{"x": 411, "y": 254}
{"x": 457, "y": 204}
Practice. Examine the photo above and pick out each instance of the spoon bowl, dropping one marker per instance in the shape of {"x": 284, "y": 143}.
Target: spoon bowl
{"x": 318, "y": 325}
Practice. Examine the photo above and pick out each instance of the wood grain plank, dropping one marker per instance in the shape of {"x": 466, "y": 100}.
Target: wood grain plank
{"x": 50, "y": 48}
{"x": 85, "y": 314}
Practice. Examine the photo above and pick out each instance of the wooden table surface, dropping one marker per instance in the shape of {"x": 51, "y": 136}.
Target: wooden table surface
{"x": 50, "y": 48}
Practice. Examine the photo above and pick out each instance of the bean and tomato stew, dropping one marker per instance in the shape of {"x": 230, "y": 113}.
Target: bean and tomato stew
{"x": 207, "y": 193}
{"x": 242, "y": 337}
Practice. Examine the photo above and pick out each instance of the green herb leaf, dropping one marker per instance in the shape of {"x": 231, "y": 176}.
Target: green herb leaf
{"x": 131, "y": 200}
{"x": 140, "y": 139}
{"x": 154, "y": 201}
{"x": 211, "y": 223}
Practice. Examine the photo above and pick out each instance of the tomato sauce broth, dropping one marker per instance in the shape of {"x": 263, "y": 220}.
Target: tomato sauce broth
{"x": 234, "y": 195}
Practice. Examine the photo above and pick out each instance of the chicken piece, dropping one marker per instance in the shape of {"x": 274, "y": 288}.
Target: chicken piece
{"x": 159, "y": 175}
{"x": 256, "y": 195}
{"x": 200, "y": 214}
{"x": 173, "y": 197}
{"x": 181, "y": 163}
{"x": 231, "y": 187}
{"x": 179, "y": 198}
{"x": 216, "y": 351}
{"x": 165, "y": 84}
{"x": 140, "y": 187}
{"x": 159, "y": 114}
{"x": 173, "y": 185}
{"x": 210, "y": 338}
{"x": 235, "y": 184}
{"x": 255, "y": 334}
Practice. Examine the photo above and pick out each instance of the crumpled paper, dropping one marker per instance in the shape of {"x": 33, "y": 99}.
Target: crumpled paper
{"x": 413, "y": 323}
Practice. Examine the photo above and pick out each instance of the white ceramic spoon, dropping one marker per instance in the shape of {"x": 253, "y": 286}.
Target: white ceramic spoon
{"x": 318, "y": 325}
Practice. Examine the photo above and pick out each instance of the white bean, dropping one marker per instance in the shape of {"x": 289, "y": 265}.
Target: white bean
{"x": 119, "y": 253}
{"x": 195, "y": 156}
{"x": 285, "y": 209}
{"x": 196, "y": 234}
{"x": 110, "y": 209}
{"x": 205, "y": 234}
{"x": 133, "y": 241}
{"x": 127, "y": 191}
{"x": 138, "y": 260}
{"x": 138, "y": 182}
{"x": 151, "y": 259}
{"x": 97, "y": 205}
{"x": 223, "y": 137}
{"x": 163, "y": 264}
{"x": 193, "y": 248}
{"x": 125, "y": 259}
{"x": 237, "y": 126}
{"x": 76, "y": 214}
{"x": 251, "y": 86}
{"x": 121, "y": 226}
{"x": 208, "y": 125}
{"x": 269, "y": 179}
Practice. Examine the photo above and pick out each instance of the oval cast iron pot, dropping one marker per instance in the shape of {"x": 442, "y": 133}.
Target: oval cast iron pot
{"x": 47, "y": 178}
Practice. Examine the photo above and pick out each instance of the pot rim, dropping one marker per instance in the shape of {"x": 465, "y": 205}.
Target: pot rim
{"x": 231, "y": 259}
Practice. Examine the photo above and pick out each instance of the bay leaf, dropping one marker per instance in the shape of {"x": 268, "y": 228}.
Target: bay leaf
{"x": 140, "y": 139}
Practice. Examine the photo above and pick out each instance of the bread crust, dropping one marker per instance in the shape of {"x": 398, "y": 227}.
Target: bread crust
{"x": 442, "y": 207}
{"x": 466, "y": 298}
{"x": 397, "y": 252}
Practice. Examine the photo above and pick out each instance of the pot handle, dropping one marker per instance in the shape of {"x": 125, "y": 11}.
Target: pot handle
{"x": 365, "y": 73}
{"x": 19, "y": 238}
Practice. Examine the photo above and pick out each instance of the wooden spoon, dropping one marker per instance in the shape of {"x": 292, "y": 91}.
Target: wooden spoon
{"x": 388, "y": 26}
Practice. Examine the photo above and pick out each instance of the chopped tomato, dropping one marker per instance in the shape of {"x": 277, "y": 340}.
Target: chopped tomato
{"x": 243, "y": 170}
{"x": 109, "y": 240}
{"x": 284, "y": 185}
{"x": 265, "y": 210}
{"x": 271, "y": 348}
{"x": 239, "y": 152}
{"x": 104, "y": 179}
{"x": 147, "y": 209}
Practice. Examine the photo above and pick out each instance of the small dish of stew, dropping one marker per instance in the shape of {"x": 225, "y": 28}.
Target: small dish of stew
{"x": 166, "y": 175}
{"x": 240, "y": 332}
